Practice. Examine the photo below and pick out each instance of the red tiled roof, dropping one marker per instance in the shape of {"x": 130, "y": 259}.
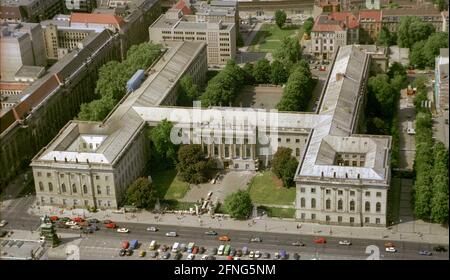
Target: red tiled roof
{"x": 372, "y": 14}
{"x": 324, "y": 24}
{"x": 183, "y": 7}
{"x": 97, "y": 18}
{"x": 350, "y": 20}
{"x": 13, "y": 86}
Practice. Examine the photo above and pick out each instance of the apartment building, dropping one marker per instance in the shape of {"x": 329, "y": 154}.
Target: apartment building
{"x": 370, "y": 25}
{"x": 29, "y": 10}
{"x": 220, "y": 37}
{"x": 90, "y": 164}
{"x": 391, "y": 17}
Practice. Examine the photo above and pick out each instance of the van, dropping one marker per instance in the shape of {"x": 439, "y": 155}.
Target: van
{"x": 175, "y": 247}
{"x": 152, "y": 245}
{"x": 226, "y": 251}
{"x": 134, "y": 244}
{"x": 220, "y": 250}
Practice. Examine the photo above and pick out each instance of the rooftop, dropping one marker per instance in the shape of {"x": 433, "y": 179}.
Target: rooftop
{"x": 410, "y": 12}
{"x": 325, "y": 24}
{"x": 97, "y": 19}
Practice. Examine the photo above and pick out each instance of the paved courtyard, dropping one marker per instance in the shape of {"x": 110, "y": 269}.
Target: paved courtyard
{"x": 228, "y": 183}
{"x": 262, "y": 97}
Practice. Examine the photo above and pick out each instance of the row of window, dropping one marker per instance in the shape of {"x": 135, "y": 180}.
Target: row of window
{"x": 340, "y": 220}
{"x": 74, "y": 188}
{"x": 341, "y": 192}
{"x": 288, "y": 140}
{"x": 325, "y": 48}
{"x": 72, "y": 176}
{"x": 75, "y": 202}
{"x": 340, "y": 205}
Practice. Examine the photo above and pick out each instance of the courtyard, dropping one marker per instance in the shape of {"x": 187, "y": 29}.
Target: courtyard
{"x": 261, "y": 97}
{"x": 269, "y": 37}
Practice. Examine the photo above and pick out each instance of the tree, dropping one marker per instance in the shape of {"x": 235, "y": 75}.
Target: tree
{"x": 238, "y": 205}
{"x": 382, "y": 95}
{"x": 261, "y": 71}
{"x": 289, "y": 51}
{"x": 248, "y": 70}
{"x": 417, "y": 58}
{"x": 279, "y": 74}
{"x": 193, "y": 166}
{"x": 377, "y": 126}
{"x": 164, "y": 151}
{"x": 412, "y": 30}
{"x": 96, "y": 110}
{"x": 239, "y": 40}
{"x": 432, "y": 46}
{"x": 187, "y": 91}
{"x": 297, "y": 92}
{"x": 308, "y": 25}
{"x": 385, "y": 38}
{"x": 280, "y": 18}
{"x": 284, "y": 165}
{"x": 439, "y": 201}
{"x": 442, "y": 5}
{"x": 141, "y": 194}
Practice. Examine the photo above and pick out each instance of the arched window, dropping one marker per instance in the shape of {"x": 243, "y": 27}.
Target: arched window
{"x": 50, "y": 187}
{"x": 367, "y": 206}
{"x": 63, "y": 188}
{"x": 99, "y": 190}
{"x": 313, "y": 203}
{"x": 328, "y": 204}
{"x": 84, "y": 189}
{"x": 340, "y": 204}
{"x": 378, "y": 207}
{"x": 74, "y": 188}
{"x": 302, "y": 202}
{"x": 41, "y": 186}
{"x": 352, "y": 205}
{"x": 108, "y": 190}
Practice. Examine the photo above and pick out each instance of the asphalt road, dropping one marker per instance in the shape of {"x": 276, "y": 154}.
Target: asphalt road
{"x": 271, "y": 242}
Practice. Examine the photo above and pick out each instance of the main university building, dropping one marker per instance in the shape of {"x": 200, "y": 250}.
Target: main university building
{"x": 342, "y": 178}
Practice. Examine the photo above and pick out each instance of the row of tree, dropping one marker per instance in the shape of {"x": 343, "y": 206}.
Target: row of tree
{"x": 284, "y": 166}
{"x": 430, "y": 190}
{"x": 113, "y": 76}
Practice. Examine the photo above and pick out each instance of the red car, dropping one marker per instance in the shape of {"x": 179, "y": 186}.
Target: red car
{"x": 54, "y": 218}
{"x": 320, "y": 240}
{"x": 224, "y": 238}
{"x": 125, "y": 244}
{"x": 78, "y": 219}
{"x": 230, "y": 258}
{"x": 195, "y": 250}
{"x": 111, "y": 225}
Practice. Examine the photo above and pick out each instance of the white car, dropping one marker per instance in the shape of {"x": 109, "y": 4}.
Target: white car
{"x": 123, "y": 230}
{"x": 75, "y": 227}
{"x": 204, "y": 257}
{"x": 391, "y": 249}
{"x": 257, "y": 255}
{"x": 251, "y": 255}
{"x": 171, "y": 234}
{"x": 71, "y": 223}
{"x": 345, "y": 242}
{"x": 190, "y": 257}
{"x": 237, "y": 258}
{"x": 154, "y": 229}
{"x": 3, "y": 223}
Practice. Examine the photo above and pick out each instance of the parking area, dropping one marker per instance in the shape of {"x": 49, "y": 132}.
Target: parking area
{"x": 262, "y": 97}
{"x": 13, "y": 249}
{"x": 227, "y": 183}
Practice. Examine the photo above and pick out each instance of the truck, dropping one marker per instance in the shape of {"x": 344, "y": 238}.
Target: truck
{"x": 134, "y": 244}
{"x": 135, "y": 81}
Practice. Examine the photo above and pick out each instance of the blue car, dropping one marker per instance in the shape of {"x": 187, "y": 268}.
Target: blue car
{"x": 425, "y": 253}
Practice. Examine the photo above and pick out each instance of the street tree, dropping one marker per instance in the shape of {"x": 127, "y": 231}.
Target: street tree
{"x": 280, "y": 18}
{"x": 193, "y": 166}
{"x": 238, "y": 205}
{"x": 262, "y": 71}
{"x": 248, "y": 72}
{"x": 385, "y": 38}
{"x": 284, "y": 165}
{"x": 279, "y": 74}
{"x": 289, "y": 51}
{"x": 411, "y": 30}
{"x": 96, "y": 110}
{"x": 432, "y": 46}
{"x": 163, "y": 150}
{"x": 308, "y": 26}
{"x": 141, "y": 194}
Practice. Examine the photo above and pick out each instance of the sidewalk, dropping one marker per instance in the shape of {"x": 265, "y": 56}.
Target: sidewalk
{"x": 264, "y": 224}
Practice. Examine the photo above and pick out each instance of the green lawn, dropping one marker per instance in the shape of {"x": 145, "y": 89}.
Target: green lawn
{"x": 280, "y": 212}
{"x": 394, "y": 201}
{"x": 266, "y": 188}
{"x": 168, "y": 186}
{"x": 269, "y": 37}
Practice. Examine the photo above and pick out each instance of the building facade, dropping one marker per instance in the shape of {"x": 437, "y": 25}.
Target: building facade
{"x": 90, "y": 164}
{"x": 30, "y": 10}
{"x": 441, "y": 81}
{"x": 391, "y": 17}
{"x": 370, "y": 25}
{"x": 220, "y": 37}
{"x": 327, "y": 35}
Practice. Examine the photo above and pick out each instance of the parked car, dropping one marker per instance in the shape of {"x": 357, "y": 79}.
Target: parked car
{"x": 230, "y": 258}
{"x": 283, "y": 254}
{"x": 93, "y": 221}
{"x": 266, "y": 255}
{"x": 345, "y": 242}
{"x": 178, "y": 256}
{"x": 71, "y": 223}
{"x": 224, "y": 238}
{"x": 320, "y": 240}
{"x": 245, "y": 251}
{"x": 88, "y": 230}
{"x": 391, "y": 249}
{"x": 439, "y": 248}
{"x": 78, "y": 219}
{"x": 166, "y": 255}
{"x": 153, "y": 254}
{"x": 237, "y": 258}
{"x": 75, "y": 227}
{"x": 142, "y": 254}
{"x": 125, "y": 244}
{"x": 201, "y": 250}
{"x": 152, "y": 245}
{"x": 204, "y": 257}
{"x": 251, "y": 255}
{"x": 296, "y": 256}
{"x": 255, "y": 239}
{"x": 129, "y": 252}
{"x": 123, "y": 230}
{"x": 122, "y": 252}
{"x": 54, "y": 218}
{"x": 257, "y": 254}
{"x": 389, "y": 244}
{"x": 214, "y": 251}
{"x": 3, "y": 233}
{"x": 65, "y": 219}
{"x": 171, "y": 234}
{"x": 195, "y": 250}
{"x": 107, "y": 222}
{"x": 239, "y": 253}
{"x": 190, "y": 257}
{"x": 182, "y": 247}
{"x": 111, "y": 225}
{"x": 232, "y": 252}
{"x": 298, "y": 243}
{"x": 134, "y": 244}
{"x": 425, "y": 253}
{"x": 211, "y": 232}
{"x": 154, "y": 229}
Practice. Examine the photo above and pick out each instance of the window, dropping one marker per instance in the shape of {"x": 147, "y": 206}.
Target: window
{"x": 302, "y": 202}
{"x": 313, "y": 190}
{"x": 106, "y": 178}
{"x": 378, "y": 207}
{"x": 297, "y": 140}
{"x": 227, "y": 151}
{"x": 340, "y": 219}
{"x": 75, "y": 202}
{"x": 49, "y": 175}
{"x": 39, "y": 174}
{"x": 97, "y": 177}
{"x": 378, "y": 194}
{"x": 288, "y": 140}
{"x": 340, "y": 192}
{"x": 302, "y": 216}
{"x": 313, "y": 203}
{"x": 42, "y": 200}
{"x": 328, "y": 204}
{"x": 366, "y": 220}
{"x": 99, "y": 190}
{"x": 352, "y": 205}
{"x": 352, "y": 220}
{"x": 297, "y": 152}
{"x": 367, "y": 206}
{"x": 327, "y": 218}
{"x": 108, "y": 190}
{"x": 51, "y": 200}
{"x": 74, "y": 188}
{"x": 367, "y": 194}
{"x": 279, "y": 140}
{"x": 64, "y": 201}
{"x": 377, "y": 220}
{"x": 313, "y": 216}
{"x": 238, "y": 152}
{"x": 85, "y": 189}
{"x": 352, "y": 193}
{"x": 50, "y": 187}
{"x": 86, "y": 203}
{"x": 61, "y": 175}
{"x": 340, "y": 204}
{"x": 327, "y": 191}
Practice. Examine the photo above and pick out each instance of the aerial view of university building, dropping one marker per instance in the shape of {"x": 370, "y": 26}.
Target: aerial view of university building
{"x": 224, "y": 129}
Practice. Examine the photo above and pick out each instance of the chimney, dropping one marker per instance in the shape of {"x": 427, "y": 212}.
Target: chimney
{"x": 339, "y": 76}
